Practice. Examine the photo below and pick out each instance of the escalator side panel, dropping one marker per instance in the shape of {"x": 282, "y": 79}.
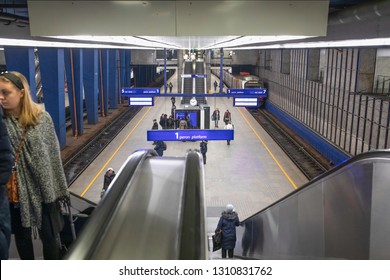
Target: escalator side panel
{"x": 380, "y": 213}
{"x": 145, "y": 225}
{"x": 341, "y": 216}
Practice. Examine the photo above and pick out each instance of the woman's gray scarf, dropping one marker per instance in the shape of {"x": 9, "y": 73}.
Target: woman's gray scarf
{"x": 40, "y": 173}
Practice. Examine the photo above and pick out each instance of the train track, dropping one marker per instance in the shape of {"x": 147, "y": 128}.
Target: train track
{"x": 306, "y": 158}
{"x": 78, "y": 162}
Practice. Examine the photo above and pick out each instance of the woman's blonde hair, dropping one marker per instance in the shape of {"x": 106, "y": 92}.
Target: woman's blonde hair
{"x": 29, "y": 110}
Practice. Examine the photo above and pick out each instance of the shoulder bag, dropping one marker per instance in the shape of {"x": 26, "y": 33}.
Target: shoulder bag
{"x": 12, "y": 184}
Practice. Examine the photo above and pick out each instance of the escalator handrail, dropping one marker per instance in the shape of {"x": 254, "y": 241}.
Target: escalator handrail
{"x": 381, "y": 153}
{"x": 93, "y": 230}
{"x": 193, "y": 241}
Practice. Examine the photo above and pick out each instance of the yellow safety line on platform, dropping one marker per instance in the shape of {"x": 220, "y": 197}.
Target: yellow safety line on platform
{"x": 268, "y": 150}
{"x": 112, "y": 156}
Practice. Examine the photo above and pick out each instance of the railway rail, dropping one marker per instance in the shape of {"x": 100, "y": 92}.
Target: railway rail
{"x": 307, "y": 159}
{"x": 80, "y": 160}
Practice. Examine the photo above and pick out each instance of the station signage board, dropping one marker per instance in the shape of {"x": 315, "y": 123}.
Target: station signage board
{"x": 141, "y": 101}
{"x": 190, "y": 134}
{"x": 141, "y": 91}
{"x": 261, "y": 92}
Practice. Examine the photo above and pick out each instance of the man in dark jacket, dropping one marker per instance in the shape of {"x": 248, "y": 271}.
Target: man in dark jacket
{"x": 228, "y": 223}
{"x": 6, "y": 163}
{"x": 108, "y": 177}
{"x": 203, "y": 150}
{"x": 155, "y": 124}
{"x": 159, "y": 148}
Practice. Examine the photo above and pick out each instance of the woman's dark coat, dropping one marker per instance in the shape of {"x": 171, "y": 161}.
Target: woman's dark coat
{"x": 228, "y": 223}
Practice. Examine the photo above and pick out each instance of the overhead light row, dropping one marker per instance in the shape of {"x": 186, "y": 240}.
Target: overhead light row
{"x": 377, "y": 42}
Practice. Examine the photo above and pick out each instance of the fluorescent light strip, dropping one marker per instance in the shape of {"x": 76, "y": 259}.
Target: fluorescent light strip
{"x": 245, "y": 40}
{"x": 125, "y": 40}
{"x": 331, "y": 44}
{"x": 36, "y": 43}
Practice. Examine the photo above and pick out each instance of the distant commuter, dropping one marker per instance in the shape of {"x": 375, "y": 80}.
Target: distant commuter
{"x": 229, "y": 126}
{"x": 215, "y": 117}
{"x": 6, "y": 162}
{"x": 164, "y": 121}
{"x": 227, "y": 117}
{"x": 41, "y": 179}
{"x": 160, "y": 146}
{"x": 183, "y": 124}
{"x": 203, "y": 150}
{"x": 189, "y": 122}
{"x": 227, "y": 223}
{"x": 155, "y": 124}
{"x": 108, "y": 177}
{"x": 215, "y": 85}
{"x": 170, "y": 85}
{"x": 170, "y": 122}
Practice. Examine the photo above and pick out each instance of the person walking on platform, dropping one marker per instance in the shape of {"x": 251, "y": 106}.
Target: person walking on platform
{"x": 227, "y": 117}
{"x": 215, "y": 85}
{"x": 227, "y": 224}
{"x": 170, "y": 87}
{"x": 216, "y": 117}
{"x": 108, "y": 177}
{"x": 41, "y": 181}
{"x": 203, "y": 149}
{"x": 229, "y": 126}
{"x": 155, "y": 124}
{"x": 6, "y": 163}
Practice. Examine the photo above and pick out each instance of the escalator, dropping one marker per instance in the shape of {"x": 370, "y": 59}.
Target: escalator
{"x": 194, "y": 85}
{"x": 200, "y": 83}
{"x": 187, "y": 82}
{"x": 154, "y": 209}
{"x": 342, "y": 214}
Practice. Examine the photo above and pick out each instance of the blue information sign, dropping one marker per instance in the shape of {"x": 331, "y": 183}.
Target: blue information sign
{"x": 194, "y": 75}
{"x": 261, "y": 92}
{"x": 190, "y": 134}
{"x": 199, "y": 75}
{"x": 141, "y": 100}
{"x": 130, "y": 91}
{"x": 248, "y": 101}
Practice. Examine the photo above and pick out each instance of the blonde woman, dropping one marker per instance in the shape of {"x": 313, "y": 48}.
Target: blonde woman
{"x": 41, "y": 180}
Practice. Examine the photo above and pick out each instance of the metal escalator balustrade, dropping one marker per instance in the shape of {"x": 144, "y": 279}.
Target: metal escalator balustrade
{"x": 154, "y": 209}
{"x": 342, "y": 214}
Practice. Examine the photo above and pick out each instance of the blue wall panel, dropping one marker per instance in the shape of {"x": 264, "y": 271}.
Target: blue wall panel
{"x": 52, "y": 69}
{"x": 22, "y": 60}
{"x": 104, "y": 82}
{"x": 127, "y": 68}
{"x": 91, "y": 78}
{"x": 324, "y": 147}
{"x": 113, "y": 90}
{"x": 74, "y": 78}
